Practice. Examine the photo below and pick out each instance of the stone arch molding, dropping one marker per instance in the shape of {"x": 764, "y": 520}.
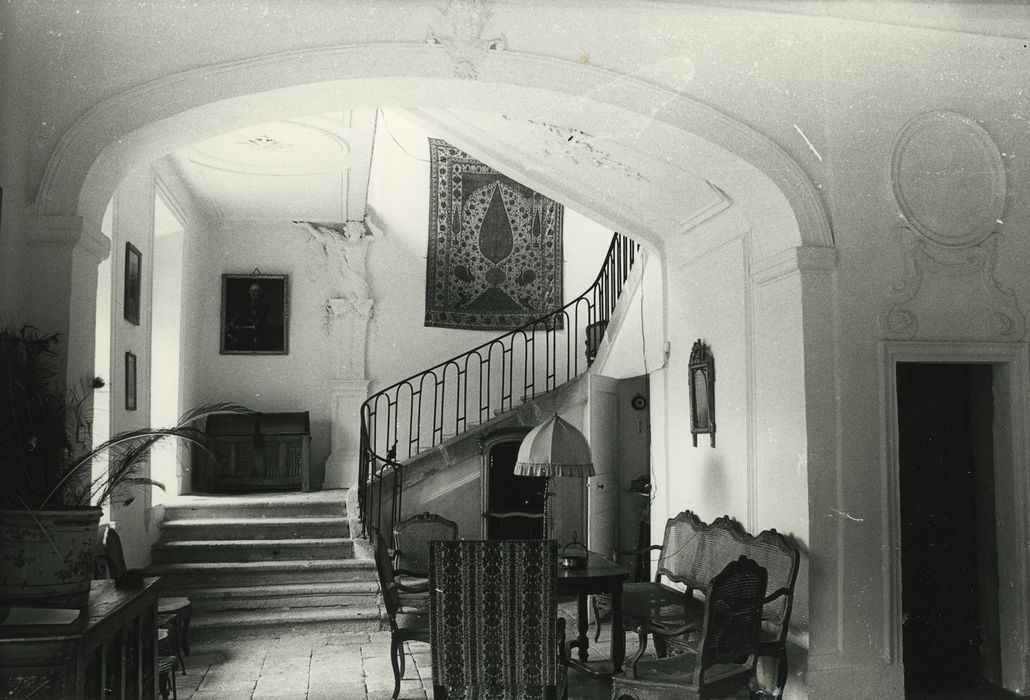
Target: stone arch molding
{"x": 151, "y": 120}
{"x": 948, "y": 180}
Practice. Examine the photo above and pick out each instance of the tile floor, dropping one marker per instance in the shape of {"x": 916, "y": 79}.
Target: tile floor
{"x": 230, "y": 665}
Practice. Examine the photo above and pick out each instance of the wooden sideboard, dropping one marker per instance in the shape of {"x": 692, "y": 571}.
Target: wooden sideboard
{"x": 256, "y": 452}
{"x": 109, "y": 651}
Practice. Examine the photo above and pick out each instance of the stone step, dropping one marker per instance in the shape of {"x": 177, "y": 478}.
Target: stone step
{"x": 339, "y": 620}
{"x": 286, "y": 596}
{"x": 253, "y": 528}
{"x": 252, "y": 507}
{"x": 330, "y": 548}
{"x": 181, "y": 578}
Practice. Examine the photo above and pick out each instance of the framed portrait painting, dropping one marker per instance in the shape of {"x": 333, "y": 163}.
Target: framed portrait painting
{"x": 133, "y": 280}
{"x": 255, "y": 315}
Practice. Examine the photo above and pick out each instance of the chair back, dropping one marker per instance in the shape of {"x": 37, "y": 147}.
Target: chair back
{"x": 114, "y": 554}
{"x": 680, "y": 548}
{"x": 733, "y": 619}
{"x": 493, "y": 617}
{"x": 384, "y": 569}
{"x": 411, "y": 540}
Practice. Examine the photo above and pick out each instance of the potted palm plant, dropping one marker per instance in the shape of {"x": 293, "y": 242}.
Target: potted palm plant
{"x": 50, "y": 502}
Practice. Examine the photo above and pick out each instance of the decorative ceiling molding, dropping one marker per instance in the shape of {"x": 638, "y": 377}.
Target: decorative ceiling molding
{"x": 274, "y": 150}
{"x": 462, "y": 38}
{"x": 266, "y": 143}
{"x": 579, "y": 148}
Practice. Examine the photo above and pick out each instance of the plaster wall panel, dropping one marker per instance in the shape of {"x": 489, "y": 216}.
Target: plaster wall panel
{"x": 710, "y": 481}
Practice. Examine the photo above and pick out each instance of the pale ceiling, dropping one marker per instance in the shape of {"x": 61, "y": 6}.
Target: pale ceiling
{"x": 313, "y": 168}
{"x": 317, "y": 168}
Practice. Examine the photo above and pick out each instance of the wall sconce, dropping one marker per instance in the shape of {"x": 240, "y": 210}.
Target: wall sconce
{"x": 702, "y": 391}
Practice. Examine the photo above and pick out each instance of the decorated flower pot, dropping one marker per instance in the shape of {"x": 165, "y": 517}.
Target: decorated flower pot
{"x": 46, "y": 557}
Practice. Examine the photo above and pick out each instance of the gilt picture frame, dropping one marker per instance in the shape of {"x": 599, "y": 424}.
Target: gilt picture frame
{"x": 702, "y": 391}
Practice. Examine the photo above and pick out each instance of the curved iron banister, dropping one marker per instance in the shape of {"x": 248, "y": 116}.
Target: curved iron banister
{"x": 427, "y": 408}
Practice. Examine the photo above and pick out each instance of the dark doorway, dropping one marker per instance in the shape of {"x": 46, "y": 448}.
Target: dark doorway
{"x": 515, "y": 504}
{"x": 948, "y": 546}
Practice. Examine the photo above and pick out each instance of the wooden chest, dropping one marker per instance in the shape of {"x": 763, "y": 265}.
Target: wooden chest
{"x": 258, "y": 452}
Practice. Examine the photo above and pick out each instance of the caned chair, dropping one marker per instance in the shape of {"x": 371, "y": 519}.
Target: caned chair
{"x": 411, "y": 540}
{"x": 407, "y": 624}
{"x": 494, "y": 620}
{"x": 721, "y": 661}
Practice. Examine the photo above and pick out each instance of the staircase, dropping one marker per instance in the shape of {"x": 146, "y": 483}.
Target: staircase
{"x": 405, "y": 424}
{"x": 267, "y": 561}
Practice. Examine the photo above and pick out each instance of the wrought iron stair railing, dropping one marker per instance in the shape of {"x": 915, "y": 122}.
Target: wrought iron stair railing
{"x": 454, "y": 396}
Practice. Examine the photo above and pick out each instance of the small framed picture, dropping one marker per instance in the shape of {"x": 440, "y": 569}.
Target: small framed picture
{"x": 133, "y": 276}
{"x": 255, "y": 315}
{"x": 130, "y": 381}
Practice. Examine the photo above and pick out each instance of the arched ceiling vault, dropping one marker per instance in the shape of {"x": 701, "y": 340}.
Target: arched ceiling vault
{"x": 635, "y": 157}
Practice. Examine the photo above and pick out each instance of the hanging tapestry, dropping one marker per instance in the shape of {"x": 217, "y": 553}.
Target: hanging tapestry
{"x": 495, "y": 246}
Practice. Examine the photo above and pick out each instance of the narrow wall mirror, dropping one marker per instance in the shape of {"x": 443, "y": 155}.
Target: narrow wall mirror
{"x": 702, "y": 391}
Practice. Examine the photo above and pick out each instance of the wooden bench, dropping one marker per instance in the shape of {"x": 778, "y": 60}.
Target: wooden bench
{"x": 692, "y": 554}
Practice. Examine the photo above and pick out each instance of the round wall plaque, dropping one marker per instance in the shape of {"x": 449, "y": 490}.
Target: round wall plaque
{"x": 948, "y": 179}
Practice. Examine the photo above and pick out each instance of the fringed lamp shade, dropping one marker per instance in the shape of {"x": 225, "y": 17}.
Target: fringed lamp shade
{"x": 554, "y": 448}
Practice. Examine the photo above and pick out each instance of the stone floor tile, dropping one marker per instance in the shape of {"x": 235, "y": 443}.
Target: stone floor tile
{"x": 221, "y": 695}
{"x": 346, "y": 639}
{"x": 404, "y": 695}
{"x": 337, "y": 691}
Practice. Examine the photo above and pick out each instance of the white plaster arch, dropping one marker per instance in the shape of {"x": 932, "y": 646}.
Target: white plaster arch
{"x": 149, "y": 121}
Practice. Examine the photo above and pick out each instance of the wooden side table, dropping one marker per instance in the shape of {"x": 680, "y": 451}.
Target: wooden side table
{"x": 600, "y": 575}
{"x": 109, "y": 651}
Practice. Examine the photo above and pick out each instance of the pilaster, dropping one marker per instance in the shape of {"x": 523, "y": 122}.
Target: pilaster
{"x": 348, "y": 331}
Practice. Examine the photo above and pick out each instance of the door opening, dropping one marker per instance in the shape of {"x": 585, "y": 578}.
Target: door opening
{"x": 950, "y": 623}
{"x": 514, "y": 504}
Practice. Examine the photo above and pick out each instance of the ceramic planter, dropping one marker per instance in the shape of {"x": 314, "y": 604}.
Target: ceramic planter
{"x": 49, "y": 566}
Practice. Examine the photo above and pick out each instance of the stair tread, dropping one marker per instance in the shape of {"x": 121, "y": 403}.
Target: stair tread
{"x": 254, "y": 520}
{"x": 219, "y": 618}
{"x": 292, "y": 589}
{"x": 276, "y": 565}
{"x": 291, "y": 542}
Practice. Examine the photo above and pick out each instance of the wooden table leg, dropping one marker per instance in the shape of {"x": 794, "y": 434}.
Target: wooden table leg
{"x": 584, "y": 625}
{"x": 618, "y": 634}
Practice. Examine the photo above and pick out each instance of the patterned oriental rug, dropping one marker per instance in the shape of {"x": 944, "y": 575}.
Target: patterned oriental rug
{"x": 495, "y": 246}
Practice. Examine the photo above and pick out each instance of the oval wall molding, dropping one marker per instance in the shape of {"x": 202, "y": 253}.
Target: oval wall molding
{"x": 948, "y": 179}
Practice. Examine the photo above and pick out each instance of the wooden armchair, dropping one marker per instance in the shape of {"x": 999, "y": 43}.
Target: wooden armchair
{"x": 494, "y": 620}
{"x": 692, "y": 554}
{"x": 723, "y": 658}
{"x": 411, "y": 540}
{"x": 407, "y": 624}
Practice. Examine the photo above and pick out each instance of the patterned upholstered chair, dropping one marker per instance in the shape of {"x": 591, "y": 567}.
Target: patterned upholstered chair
{"x": 411, "y": 540}
{"x": 407, "y": 624}
{"x": 494, "y": 620}
{"x": 722, "y": 661}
